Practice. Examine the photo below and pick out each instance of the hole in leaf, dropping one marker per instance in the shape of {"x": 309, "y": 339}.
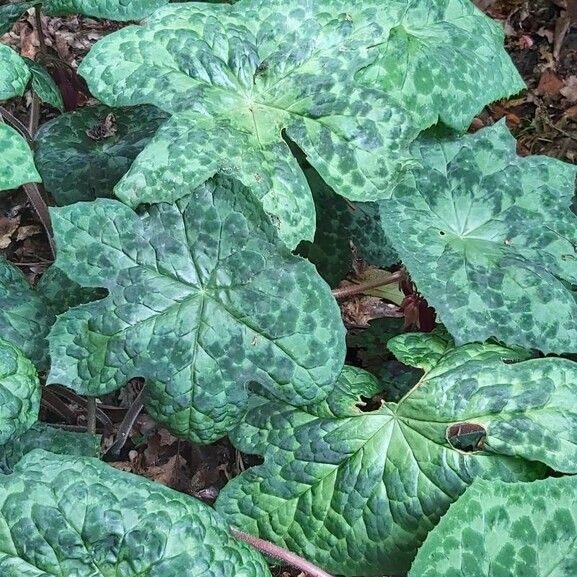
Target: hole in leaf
{"x": 370, "y": 404}
{"x": 442, "y": 232}
{"x": 467, "y": 437}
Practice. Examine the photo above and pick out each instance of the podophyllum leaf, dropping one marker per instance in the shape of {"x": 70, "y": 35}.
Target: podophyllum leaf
{"x": 124, "y": 10}
{"x": 500, "y": 528}
{"x": 97, "y": 145}
{"x": 203, "y": 298}
{"x": 234, "y": 89}
{"x": 336, "y": 479}
{"x": 496, "y": 240}
{"x": 16, "y": 162}
{"x": 78, "y": 516}
{"x": 45, "y": 87}
{"x": 437, "y": 55}
{"x": 330, "y": 251}
{"x": 51, "y": 439}
{"x": 27, "y": 314}
{"x": 367, "y": 234}
{"x": 10, "y": 13}
{"x": 19, "y": 392}
{"x": 24, "y": 317}
{"x": 14, "y": 74}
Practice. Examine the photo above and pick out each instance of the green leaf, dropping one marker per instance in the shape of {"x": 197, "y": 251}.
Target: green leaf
{"x": 489, "y": 239}
{"x": 19, "y": 392}
{"x": 24, "y": 317}
{"x": 14, "y": 74}
{"x": 27, "y": 314}
{"x": 499, "y": 528}
{"x": 330, "y": 251}
{"x": 52, "y": 439}
{"x": 337, "y": 478}
{"x": 81, "y": 155}
{"x": 443, "y": 60}
{"x": 203, "y": 298}
{"x": 44, "y": 86}
{"x": 10, "y": 13}
{"x": 16, "y": 163}
{"x": 124, "y": 10}
{"x": 234, "y": 89}
{"x": 369, "y": 237}
{"x": 78, "y": 516}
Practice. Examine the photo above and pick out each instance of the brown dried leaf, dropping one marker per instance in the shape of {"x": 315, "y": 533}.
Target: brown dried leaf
{"x": 569, "y": 91}
{"x": 549, "y": 84}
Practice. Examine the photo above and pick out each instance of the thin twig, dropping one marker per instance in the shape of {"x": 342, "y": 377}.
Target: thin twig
{"x": 126, "y": 425}
{"x": 34, "y": 115}
{"x": 39, "y": 28}
{"x": 287, "y": 557}
{"x": 91, "y": 415}
{"x": 355, "y": 289}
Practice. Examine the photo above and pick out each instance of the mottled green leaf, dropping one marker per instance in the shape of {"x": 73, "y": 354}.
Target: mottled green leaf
{"x": 10, "y": 13}
{"x": 443, "y": 60}
{"x": 81, "y": 155}
{"x": 508, "y": 529}
{"x": 203, "y": 298}
{"x": 44, "y": 86}
{"x": 366, "y": 232}
{"x": 337, "y": 479}
{"x": 234, "y": 89}
{"x": 330, "y": 251}
{"x": 16, "y": 161}
{"x": 27, "y": 314}
{"x": 489, "y": 239}
{"x": 24, "y": 317}
{"x": 122, "y": 10}
{"x": 19, "y": 392}
{"x": 14, "y": 74}
{"x": 51, "y": 439}
{"x": 76, "y": 516}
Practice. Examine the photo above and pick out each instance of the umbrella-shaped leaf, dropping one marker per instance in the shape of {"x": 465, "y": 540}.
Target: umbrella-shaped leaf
{"x": 111, "y": 9}
{"x": 14, "y": 74}
{"x": 499, "y": 528}
{"x": 19, "y": 392}
{"x": 203, "y": 298}
{"x": 339, "y": 477}
{"x": 27, "y": 314}
{"x": 437, "y": 56}
{"x": 97, "y": 145}
{"x": 51, "y": 439}
{"x": 236, "y": 77}
{"x": 16, "y": 162}
{"x": 489, "y": 238}
{"x": 78, "y": 516}
{"x": 44, "y": 86}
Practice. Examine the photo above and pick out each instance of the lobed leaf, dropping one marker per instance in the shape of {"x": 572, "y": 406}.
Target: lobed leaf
{"x": 14, "y": 74}
{"x": 496, "y": 240}
{"x": 16, "y": 163}
{"x": 19, "y": 392}
{"x": 48, "y": 438}
{"x": 78, "y": 516}
{"x": 27, "y": 314}
{"x": 437, "y": 56}
{"x": 124, "y": 10}
{"x": 203, "y": 299}
{"x": 44, "y": 86}
{"x": 500, "y": 528}
{"x": 97, "y": 145}
{"x": 339, "y": 476}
